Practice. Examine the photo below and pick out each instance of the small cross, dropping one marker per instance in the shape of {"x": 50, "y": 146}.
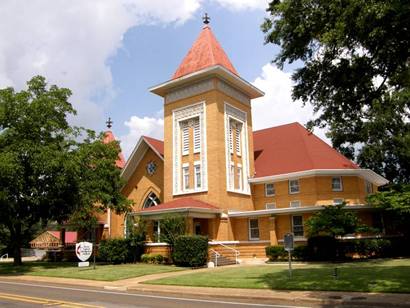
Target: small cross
{"x": 206, "y": 19}
{"x": 109, "y": 123}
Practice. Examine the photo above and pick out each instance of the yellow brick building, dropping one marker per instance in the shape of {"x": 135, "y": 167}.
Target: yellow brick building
{"x": 243, "y": 189}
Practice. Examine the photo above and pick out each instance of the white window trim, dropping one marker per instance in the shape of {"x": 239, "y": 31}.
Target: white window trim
{"x": 196, "y": 164}
{"x": 238, "y": 115}
{"x": 249, "y": 230}
{"x": 295, "y": 192}
{"x": 298, "y": 236}
{"x": 182, "y": 128}
{"x": 178, "y": 115}
{"x": 185, "y": 166}
{"x": 266, "y": 191}
{"x": 341, "y": 183}
{"x": 239, "y": 174}
{"x": 294, "y": 201}
{"x": 270, "y": 205}
{"x": 198, "y": 150}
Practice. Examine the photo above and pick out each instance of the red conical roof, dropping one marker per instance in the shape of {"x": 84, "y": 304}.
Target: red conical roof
{"x": 109, "y": 137}
{"x": 205, "y": 52}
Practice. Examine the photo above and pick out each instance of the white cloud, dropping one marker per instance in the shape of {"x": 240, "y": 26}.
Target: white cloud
{"x": 70, "y": 42}
{"x": 237, "y": 5}
{"x": 146, "y": 126}
{"x": 277, "y": 106}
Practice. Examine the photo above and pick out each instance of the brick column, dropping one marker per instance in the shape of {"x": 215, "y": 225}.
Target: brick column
{"x": 272, "y": 231}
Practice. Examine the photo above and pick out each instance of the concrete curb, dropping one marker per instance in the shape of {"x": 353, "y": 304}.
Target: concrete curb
{"x": 361, "y": 299}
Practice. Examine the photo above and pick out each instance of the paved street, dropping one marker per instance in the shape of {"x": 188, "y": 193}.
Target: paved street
{"x": 22, "y": 294}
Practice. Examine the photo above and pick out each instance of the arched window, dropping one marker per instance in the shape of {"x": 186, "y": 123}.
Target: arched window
{"x": 151, "y": 200}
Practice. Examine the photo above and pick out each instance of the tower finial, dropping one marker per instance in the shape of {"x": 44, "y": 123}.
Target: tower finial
{"x": 109, "y": 123}
{"x": 206, "y": 19}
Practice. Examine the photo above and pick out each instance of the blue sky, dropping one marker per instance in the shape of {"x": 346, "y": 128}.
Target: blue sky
{"x": 109, "y": 52}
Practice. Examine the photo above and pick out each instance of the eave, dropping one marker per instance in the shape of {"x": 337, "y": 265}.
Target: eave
{"x": 291, "y": 210}
{"x": 366, "y": 174}
{"x": 218, "y": 71}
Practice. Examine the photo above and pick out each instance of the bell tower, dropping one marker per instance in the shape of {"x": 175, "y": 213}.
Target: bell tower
{"x": 208, "y": 144}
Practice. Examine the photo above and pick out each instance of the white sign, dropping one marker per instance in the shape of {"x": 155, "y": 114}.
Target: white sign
{"x": 83, "y": 250}
{"x": 83, "y": 264}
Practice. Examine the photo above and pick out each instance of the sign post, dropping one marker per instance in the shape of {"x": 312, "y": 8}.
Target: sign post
{"x": 288, "y": 241}
{"x": 83, "y": 250}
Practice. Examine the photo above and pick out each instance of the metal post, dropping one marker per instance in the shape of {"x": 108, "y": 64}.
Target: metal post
{"x": 290, "y": 263}
{"x": 94, "y": 246}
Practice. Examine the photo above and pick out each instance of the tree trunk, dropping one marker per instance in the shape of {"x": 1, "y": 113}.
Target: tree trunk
{"x": 17, "y": 255}
{"x": 16, "y": 242}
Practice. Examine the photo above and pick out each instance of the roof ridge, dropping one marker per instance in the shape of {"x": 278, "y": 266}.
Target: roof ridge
{"x": 304, "y": 130}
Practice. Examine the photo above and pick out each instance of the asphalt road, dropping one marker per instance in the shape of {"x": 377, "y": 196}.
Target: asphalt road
{"x": 31, "y": 294}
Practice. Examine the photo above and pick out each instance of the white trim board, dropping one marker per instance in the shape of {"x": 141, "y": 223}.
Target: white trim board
{"x": 367, "y": 174}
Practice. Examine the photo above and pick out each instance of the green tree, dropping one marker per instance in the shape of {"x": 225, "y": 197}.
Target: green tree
{"x": 395, "y": 202}
{"x": 353, "y": 58}
{"x": 333, "y": 220}
{"x": 46, "y": 173}
{"x": 172, "y": 226}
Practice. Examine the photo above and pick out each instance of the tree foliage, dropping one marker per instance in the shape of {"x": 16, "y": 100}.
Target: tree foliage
{"x": 172, "y": 226}
{"x": 48, "y": 169}
{"x": 333, "y": 220}
{"x": 354, "y": 57}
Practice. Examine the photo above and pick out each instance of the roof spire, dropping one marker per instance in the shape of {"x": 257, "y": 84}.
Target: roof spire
{"x": 109, "y": 123}
{"x": 206, "y": 19}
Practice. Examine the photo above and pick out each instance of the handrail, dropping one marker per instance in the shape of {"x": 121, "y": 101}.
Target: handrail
{"x": 5, "y": 256}
{"x": 236, "y": 252}
{"x": 217, "y": 255}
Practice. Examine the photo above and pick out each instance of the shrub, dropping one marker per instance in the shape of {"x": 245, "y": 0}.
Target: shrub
{"x": 275, "y": 253}
{"x": 153, "y": 258}
{"x": 120, "y": 250}
{"x": 300, "y": 252}
{"x": 322, "y": 248}
{"x": 367, "y": 248}
{"x": 113, "y": 250}
{"x": 190, "y": 250}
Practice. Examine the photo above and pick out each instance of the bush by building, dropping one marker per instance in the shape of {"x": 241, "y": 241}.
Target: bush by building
{"x": 153, "y": 258}
{"x": 276, "y": 253}
{"x": 190, "y": 250}
{"x": 120, "y": 250}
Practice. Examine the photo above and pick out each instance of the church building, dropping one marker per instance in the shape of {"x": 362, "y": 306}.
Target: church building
{"x": 244, "y": 189}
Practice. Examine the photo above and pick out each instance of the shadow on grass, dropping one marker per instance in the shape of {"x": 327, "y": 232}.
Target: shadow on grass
{"x": 8, "y": 269}
{"x": 366, "y": 278}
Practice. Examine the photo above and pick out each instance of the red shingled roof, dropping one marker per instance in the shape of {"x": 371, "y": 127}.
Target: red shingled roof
{"x": 158, "y": 145}
{"x": 109, "y": 137}
{"x": 291, "y": 148}
{"x": 205, "y": 52}
{"x": 70, "y": 236}
{"x": 181, "y": 203}
{"x": 285, "y": 149}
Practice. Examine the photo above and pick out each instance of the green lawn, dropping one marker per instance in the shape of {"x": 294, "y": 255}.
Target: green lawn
{"x": 371, "y": 276}
{"x": 70, "y": 270}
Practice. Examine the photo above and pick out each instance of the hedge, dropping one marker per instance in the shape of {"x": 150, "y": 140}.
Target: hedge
{"x": 120, "y": 251}
{"x": 190, "y": 250}
{"x": 153, "y": 258}
{"x": 275, "y": 253}
{"x": 278, "y": 253}
{"x": 325, "y": 248}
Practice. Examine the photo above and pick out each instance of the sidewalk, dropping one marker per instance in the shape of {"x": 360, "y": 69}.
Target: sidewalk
{"x": 311, "y": 298}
